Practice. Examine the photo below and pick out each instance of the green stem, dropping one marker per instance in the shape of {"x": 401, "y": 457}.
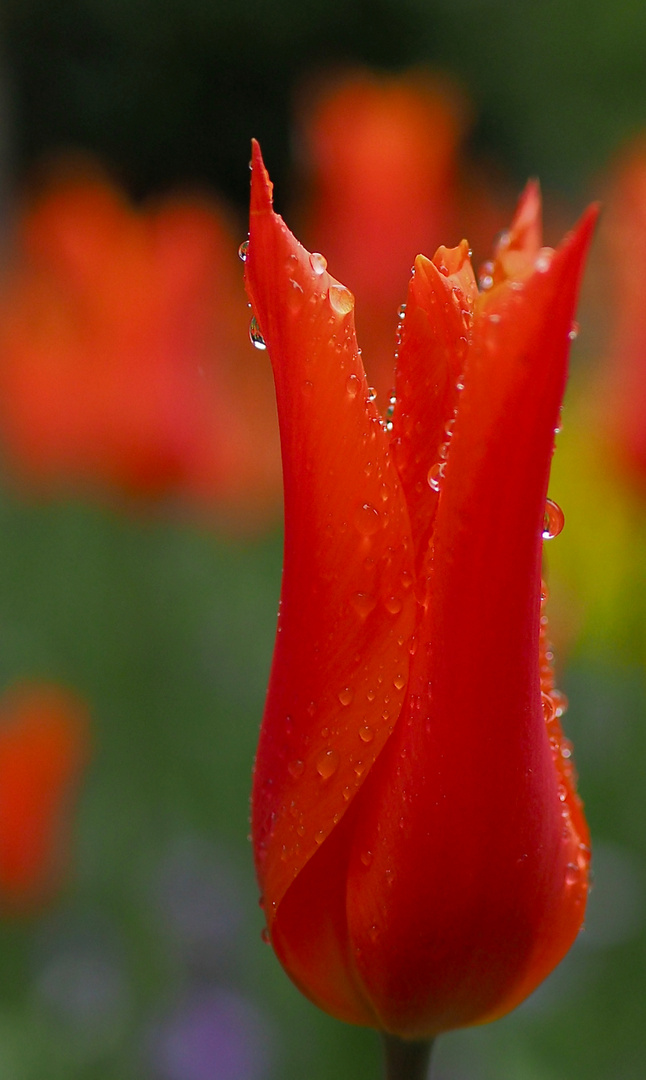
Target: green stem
{"x": 406, "y": 1060}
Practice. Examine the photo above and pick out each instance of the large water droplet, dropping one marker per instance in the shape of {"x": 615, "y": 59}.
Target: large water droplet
{"x": 393, "y": 605}
{"x": 255, "y": 337}
{"x": 366, "y": 519}
{"x": 401, "y": 312}
{"x": 346, "y": 695}
{"x": 341, "y": 299}
{"x": 366, "y": 734}
{"x": 243, "y": 249}
{"x": 318, "y": 262}
{"x": 327, "y": 763}
{"x": 553, "y": 521}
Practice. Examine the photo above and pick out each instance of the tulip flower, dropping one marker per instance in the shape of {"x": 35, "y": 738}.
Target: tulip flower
{"x": 124, "y": 364}
{"x": 43, "y": 746}
{"x": 420, "y": 847}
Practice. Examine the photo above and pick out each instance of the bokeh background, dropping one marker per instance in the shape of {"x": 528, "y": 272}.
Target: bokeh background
{"x": 140, "y": 534}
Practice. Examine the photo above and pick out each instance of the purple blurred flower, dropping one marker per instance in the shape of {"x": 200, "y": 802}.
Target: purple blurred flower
{"x": 214, "y": 1034}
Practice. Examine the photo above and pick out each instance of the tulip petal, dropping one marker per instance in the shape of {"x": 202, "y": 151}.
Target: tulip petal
{"x": 478, "y": 871}
{"x": 347, "y": 607}
{"x": 431, "y": 360}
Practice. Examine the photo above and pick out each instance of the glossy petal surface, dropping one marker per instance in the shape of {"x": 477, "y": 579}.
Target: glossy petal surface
{"x": 448, "y": 879}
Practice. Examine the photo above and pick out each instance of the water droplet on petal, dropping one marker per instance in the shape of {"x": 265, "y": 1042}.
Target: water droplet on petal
{"x": 401, "y": 311}
{"x": 265, "y": 935}
{"x": 553, "y": 521}
{"x": 372, "y": 393}
{"x": 327, "y": 763}
{"x": 574, "y": 331}
{"x": 399, "y": 682}
{"x": 319, "y": 836}
{"x": 318, "y": 262}
{"x": 255, "y": 337}
{"x": 341, "y": 299}
{"x": 435, "y": 475}
{"x": 393, "y": 604}
{"x": 548, "y": 707}
{"x": 346, "y": 695}
{"x": 366, "y": 519}
{"x": 366, "y": 857}
{"x": 572, "y": 873}
{"x": 363, "y": 604}
{"x": 243, "y": 249}
{"x": 295, "y": 296}
{"x": 366, "y": 734}
{"x": 296, "y": 768}
{"x": 353, "y": 385}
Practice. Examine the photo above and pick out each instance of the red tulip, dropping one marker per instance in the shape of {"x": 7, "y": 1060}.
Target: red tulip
{"x": 43, "y": 745}
{"x": 421, "y": 850}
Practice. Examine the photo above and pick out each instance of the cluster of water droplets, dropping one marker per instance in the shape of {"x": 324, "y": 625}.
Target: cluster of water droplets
{"x": 554, "y": 704}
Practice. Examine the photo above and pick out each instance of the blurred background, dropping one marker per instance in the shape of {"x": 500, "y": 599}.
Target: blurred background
{"x": 140, "y": 503}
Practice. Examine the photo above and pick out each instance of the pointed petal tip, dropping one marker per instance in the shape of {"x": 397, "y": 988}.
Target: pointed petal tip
{"x": 261, "y": 186}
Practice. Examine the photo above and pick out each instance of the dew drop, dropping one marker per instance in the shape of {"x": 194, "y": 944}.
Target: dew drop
{"x": 319, "y": 837}
{"x": 347, "y": 792}
{"x": 371, "y": 695}
{"x": 296, "y": 768}
{"x": 346, "y": 695}
{"x": 366, "y": 857}
{"x": 327, "y": 763}
{"x": 295, "y": 296}
{"x": 553, "y": 521}
{"x": 485, "y": 277}
{"x": 353, "y": 385}
{"x": 243, "y": 249}
{"x": 401, "y": 311}
{"x": 359, "y": 768}
{"x": 544, "y": 260}
{"x": 399, "y": 682}
{"x": 366, "y": 734}
{"x": 255, "y": 337}
{"x": 341, "y": 299}
{"x": 574, "y": 331}
{"x": 435, "y": 475}
{"x": 363, "y": 604}
{"x": 548, "y": 707}
{"x": 572, "y": 873}
{"x": 318, "y": 262}
{"x": 265, "y": 935}
{"x": 393, "y": 605}
{"x": 366, "y": 519}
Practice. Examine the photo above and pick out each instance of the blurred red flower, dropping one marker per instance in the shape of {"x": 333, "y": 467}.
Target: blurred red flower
{"x": 420, "y": 847}
{"x": 43, "y": 747}
{"x": 124, "y": 356}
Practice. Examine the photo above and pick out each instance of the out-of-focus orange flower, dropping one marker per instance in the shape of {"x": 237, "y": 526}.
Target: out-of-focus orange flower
{"x": 384, "y": 164}
{"x": 43, "y": 747}
{"x": 420, "y": 847}
{"x": 124, "y": 356}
